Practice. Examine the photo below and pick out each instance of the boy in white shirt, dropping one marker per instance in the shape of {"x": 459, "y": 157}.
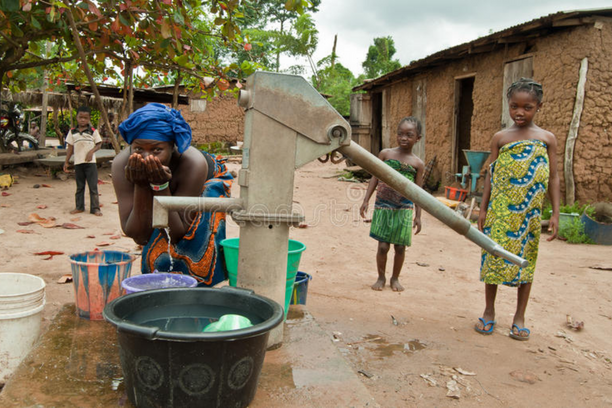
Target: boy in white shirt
{"x": 84, "y": 141}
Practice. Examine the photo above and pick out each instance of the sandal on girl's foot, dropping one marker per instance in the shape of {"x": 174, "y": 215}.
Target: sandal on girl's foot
{"x": 517, "y": 335}
{"x": 484, "y": 330}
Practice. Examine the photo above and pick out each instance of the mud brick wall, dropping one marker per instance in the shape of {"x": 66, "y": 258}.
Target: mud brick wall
{"x": 556, "y": 64}
{"x": 221, "y": 121}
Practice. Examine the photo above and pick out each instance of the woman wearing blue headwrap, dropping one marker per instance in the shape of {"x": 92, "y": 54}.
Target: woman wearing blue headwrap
{"x": 161, "y": 162}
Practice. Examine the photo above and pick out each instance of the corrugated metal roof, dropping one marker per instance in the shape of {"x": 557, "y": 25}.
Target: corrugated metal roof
{"x": 518, "y": 33}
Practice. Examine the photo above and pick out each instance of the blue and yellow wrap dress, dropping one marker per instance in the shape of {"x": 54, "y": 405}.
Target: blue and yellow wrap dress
{"x": 519, "y": 180}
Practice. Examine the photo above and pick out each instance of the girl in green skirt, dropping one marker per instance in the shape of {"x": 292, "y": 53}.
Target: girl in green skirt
{"x": 392, "y": 221}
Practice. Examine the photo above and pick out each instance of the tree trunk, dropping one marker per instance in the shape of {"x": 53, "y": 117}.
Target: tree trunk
{"x": 92, "y": 83}
{"x": 58, "y": 131}
{"x": 70, "y": 109}
{"x": 130, "y": 74}
{"x": 570, "y": 142}
{"x": 42, "y": 141}
{"x": 175, "y": 93}
{"x": 333, "y": 56}
{"x": 126, "y": 84}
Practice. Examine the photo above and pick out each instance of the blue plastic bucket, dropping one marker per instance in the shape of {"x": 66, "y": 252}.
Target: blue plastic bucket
{"x": 300, "y": 288}
{"x": 149, "y": 281}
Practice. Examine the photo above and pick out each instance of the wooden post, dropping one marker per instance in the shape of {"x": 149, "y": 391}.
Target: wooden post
{"x": 92, "y": 83}
{"x": 570, "y": 142}
{"x": 42, "y": 140}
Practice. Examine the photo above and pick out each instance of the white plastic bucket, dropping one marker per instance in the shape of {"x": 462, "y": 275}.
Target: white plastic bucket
{"x": 22, "y": 299}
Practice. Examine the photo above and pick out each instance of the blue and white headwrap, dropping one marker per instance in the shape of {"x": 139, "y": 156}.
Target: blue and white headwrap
{"x": 157, "y": 122}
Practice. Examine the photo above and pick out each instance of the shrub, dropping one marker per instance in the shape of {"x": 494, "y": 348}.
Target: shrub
{"x": 574, "y": 232}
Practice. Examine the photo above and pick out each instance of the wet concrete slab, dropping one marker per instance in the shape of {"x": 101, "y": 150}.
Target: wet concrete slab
{"x": 76, "y": 364}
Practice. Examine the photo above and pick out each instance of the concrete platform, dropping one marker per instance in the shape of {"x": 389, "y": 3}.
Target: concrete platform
{"x": 102, "y": 156}
{"x": 76, "y": 364}
{"x": 49, "y": 157}
{"x": 26, "y": 156}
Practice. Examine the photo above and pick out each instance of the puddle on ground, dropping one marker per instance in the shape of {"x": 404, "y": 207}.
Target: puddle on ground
{"x": 383, "y": 349}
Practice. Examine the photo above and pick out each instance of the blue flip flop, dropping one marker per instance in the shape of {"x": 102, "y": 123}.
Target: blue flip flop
{"x": 518, "y": 336}
{"x": 485, "y": 324}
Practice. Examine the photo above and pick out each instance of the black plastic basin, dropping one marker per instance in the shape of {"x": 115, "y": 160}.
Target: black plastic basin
{"x": 168, "y": 362}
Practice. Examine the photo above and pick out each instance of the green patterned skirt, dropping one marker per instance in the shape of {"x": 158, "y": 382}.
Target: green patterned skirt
{"x": 392, "y": 226}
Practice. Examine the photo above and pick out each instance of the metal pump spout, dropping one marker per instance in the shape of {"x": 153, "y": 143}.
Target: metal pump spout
{"x": 163, "y": 205}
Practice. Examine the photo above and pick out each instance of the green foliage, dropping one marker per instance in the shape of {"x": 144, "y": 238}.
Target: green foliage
{"x": 546, "y": 211}
{"x": 574, "y": 232}
{"x": 576, "y": 208}
{"x": 217, "y": 148}
{"x": 338, "y": 82}
{"x": 150, "y": 38}
{"x": 379, "y": 59}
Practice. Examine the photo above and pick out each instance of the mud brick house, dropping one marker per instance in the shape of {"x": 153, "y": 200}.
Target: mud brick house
{"x": 459, "y": 94}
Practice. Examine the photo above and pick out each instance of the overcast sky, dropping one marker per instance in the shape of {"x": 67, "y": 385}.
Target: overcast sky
{"x": 421, "y": 28}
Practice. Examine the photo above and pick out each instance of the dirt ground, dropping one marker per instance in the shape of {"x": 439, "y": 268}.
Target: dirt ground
{"x": 411, "y": 347}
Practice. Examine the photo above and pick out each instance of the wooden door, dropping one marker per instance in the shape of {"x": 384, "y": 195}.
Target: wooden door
{"x": 513, "y": 71}
{"x": 419, "y": 108}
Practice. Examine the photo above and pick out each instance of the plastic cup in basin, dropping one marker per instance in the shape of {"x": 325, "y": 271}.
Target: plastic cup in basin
{"x": 229, "y": 322}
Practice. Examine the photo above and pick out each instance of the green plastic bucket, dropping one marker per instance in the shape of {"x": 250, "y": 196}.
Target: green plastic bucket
{"x": 230, "y": 251}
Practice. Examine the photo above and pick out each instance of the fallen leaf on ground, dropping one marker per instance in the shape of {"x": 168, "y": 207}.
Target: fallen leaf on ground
{"x": 574, "y": 324}
{"x": 41, "y": 207}
{"x": 43, "y": 222}
{"x": 102, "y": 244}
{"x": 430, "y": 381}
{"x": 25, "y": 223}
{"x": 5, "y": 205}
{"x": 26, "y": 231}
{"x": 75, "y": 219}
{"x": 525, "y": 377}
{"x": 45, "y": 185}
{"x": 69, "y": 225}
{"x": 453, "y": 389}
{"x": 65, "y": 279}
{"x": 91, "y": 236}
{"x": 50, "y": 253}
{"x": 5, "y": 194}
{"x": 115, "y": 202}
{"x": 115, "y": 237}
{"x": 463, "y": 372}
{"x": 108, "y": 233}
{"x": 303, "y": 225}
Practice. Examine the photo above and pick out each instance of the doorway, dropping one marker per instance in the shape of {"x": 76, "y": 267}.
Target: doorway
{"x": 376, "y": 140}
{"x": 464, "y": 108}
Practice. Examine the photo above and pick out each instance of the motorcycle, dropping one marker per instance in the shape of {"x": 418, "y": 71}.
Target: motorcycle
{"x": 12, "y": 136}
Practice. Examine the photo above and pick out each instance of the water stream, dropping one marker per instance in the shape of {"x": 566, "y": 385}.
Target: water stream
{"x": 167, "y": 230}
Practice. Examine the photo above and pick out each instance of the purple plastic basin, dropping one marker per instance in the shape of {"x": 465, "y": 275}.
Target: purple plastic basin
{"x": 158, "y": 280}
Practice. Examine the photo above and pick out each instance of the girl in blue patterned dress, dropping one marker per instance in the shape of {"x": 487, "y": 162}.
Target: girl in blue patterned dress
{"x": 392, "y": 221}
{"x": 524, "y": 166}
